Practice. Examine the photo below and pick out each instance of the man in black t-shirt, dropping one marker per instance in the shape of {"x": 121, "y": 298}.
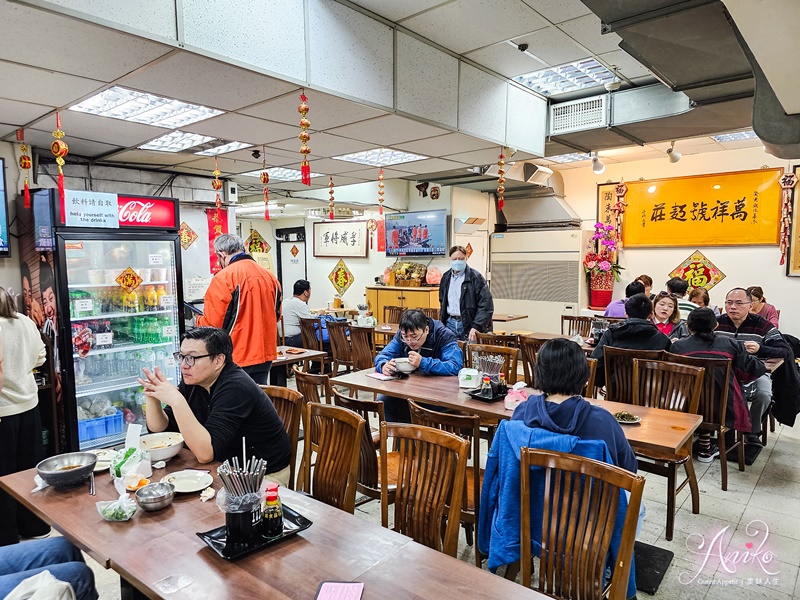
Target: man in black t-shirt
{"x": 216, "y": 405}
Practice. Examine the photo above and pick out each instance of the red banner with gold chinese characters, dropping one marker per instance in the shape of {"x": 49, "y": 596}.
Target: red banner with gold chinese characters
{"x": 217, "y": 225}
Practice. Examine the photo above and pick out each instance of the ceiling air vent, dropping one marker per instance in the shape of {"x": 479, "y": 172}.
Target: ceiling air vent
{"x": 578, "y": 115}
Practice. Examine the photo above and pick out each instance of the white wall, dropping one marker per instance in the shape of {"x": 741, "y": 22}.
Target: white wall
{"x": 743, "y": 266}
{"x": 10, "y": 275}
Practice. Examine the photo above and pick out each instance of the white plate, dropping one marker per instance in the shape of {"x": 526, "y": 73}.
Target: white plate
{"x": 104, "y": 456}
{"x": 638, "y": 419}
{"x": 189, "y": 481}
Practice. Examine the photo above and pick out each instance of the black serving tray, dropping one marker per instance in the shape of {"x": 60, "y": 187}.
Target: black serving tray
{"x": 293, "y": 523}
{"x": 476, "y": 395}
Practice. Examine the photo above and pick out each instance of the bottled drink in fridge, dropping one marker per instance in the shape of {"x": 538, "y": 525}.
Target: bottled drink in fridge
{"x": 150, "y": 299}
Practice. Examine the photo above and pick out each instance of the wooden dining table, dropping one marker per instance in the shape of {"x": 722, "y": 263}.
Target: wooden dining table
{"x": 154, "y": 546}
{"x": 288, "y": 359}
{"x": 659, "y": 430}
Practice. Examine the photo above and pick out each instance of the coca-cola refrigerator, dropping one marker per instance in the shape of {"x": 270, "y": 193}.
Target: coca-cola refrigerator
{"x": 101, "y": 276}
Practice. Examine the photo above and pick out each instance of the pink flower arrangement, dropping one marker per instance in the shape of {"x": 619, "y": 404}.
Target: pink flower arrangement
{"x": 600, "y": 252}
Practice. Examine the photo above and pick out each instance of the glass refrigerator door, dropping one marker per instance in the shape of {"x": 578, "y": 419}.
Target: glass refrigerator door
{"x": 123, "y": 317}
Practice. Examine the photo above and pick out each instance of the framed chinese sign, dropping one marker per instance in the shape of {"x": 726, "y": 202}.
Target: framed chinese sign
{"x": 343, "y": 239}
{"x": 793, "y": 261}
{"x": 722, "y": 209}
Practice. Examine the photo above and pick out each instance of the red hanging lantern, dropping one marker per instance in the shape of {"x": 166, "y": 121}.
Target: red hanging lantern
{"x": 216, "y": 184}
{"x": 60, "y": 149}
{"x": 264, "y": 181}
{"x": 305, "y": 168}
{"x": 501, "y": 182}
{"x": 25, "y": 164}
{"x": 380, "y": 192}
{"x": 330, "y": 201}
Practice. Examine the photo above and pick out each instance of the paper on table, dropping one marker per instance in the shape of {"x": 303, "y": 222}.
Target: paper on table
{"x": 340, "y": 590}
{"x": 132, "y": 436}
{"x": 381, "y": 376}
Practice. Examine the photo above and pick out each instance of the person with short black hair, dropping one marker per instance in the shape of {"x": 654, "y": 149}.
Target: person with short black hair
{"x": 678, "y": 286}
{"x": 294, "y": 309}
{"x": 466, "y": 305}
{"x": 617, "y": 308}
{"x": 700, "y": 297}
{"x": 634, "y": 333}
{"x": 217, "y": 405}
{"x": 428, "y": 345}
{"x": 647, "y": 281}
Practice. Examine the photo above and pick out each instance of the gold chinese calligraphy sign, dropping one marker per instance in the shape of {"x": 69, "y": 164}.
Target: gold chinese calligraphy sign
{"x": 698, "y": 271}
{"x": 341, "y": 277}
{"x": 722, "y": 209}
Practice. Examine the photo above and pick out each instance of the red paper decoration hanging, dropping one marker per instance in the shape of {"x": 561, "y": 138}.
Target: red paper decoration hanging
{"x": 788, "y": 181}
{"x": 60, "y": 149}
{"x": 330, "y": 201}
{"x": 25, "y": 164}
{"x": 380, "y": 192}
{"x": 501, "y": 181}
{"x": 305, "y": 168}
{"x": 216, "y": 184}
{"x": 264, "y": 181}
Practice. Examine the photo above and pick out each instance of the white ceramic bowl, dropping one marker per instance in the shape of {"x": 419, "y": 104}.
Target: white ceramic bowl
{"x": 403, "y": 365}
{"x": 161, "y": 446}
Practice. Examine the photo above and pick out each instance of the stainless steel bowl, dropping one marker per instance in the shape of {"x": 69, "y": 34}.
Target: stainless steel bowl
{"x": 66, "y": 470}
{"x": 155, "y": 496}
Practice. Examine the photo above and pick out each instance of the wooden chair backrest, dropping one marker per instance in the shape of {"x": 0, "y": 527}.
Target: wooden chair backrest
{"x": 391, "y": 314}
{"x": 659, "y": 384}
{"x": 289, "y": 405}
{"x": 580, "y": 503}
{"x": 308, "y": 333}
{"x": 529, "y": 349}
{"x": 619, "y": 371}
{"x": 431, "y": 469}
{"x": 368, "y": 456}
{"x": 362, "y": 343}
{"x": 431, "y": 313}
{"x": 336, "y": 468}
{"x": 716, "y": 387}
{"x": 588, "y": 391}
{"x": 511, "y": 356}
{"x": 572, "y": 326}
{"x": 282, "y": 333}
{"x": 466, "y": 426}
{"x": 496, "y": 339}
{"x": 309, "y": 385}
{"x": 340, "y": 345}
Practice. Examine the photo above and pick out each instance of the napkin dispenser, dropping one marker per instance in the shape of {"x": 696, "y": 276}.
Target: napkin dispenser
{"x": 469, "y": 378}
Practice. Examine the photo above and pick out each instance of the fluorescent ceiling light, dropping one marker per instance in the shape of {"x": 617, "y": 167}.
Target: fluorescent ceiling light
{"x": 381, "y": 157}
{"x": 121, "y": 103}
{"x": 735, "y": 137}
{"x": 280, "y": 174}
{"x": 568, "y": 158}
{"x": 224, "y": 148}
{"x": 176, "y": 142}
{"x": 567, "y": 78}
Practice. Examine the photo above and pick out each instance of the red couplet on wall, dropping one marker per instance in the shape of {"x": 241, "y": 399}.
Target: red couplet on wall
{"x": 217, "y": 225}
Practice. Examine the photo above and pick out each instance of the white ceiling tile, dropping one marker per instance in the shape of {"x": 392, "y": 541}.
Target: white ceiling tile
{"x": 77, "y": 48}
{"x": 21, "y": 113}
{"x": 465, "y": 25}
{"x": 527, "y": 120}
{"x": 42, "y": 86}
{"x": 586, "y": 30}
{"x": 735, "y": 145}
{"x": 226, "y": 165}
{"x": 432, "y": 165}
{"x": 274, "y": 157}
{"x": 160, "y": 14}
{"x": 317, "y": 183}
{"x": 324, "y": 145}
{"x": 77, "y": 146}
{"x": 102, "y": 129}
{"x": 324, "y": 111}
{"x": 149, "y": 157}
{"x": 200, "y": 80}
{"x": 627, "y": 66}
{"x": 330, "y": 166}
{"x": 477, "y": 157}
{"x": 690, "y": 146}
{"x": 7, "y": 130}
{"x": 397, "y": 11}
{"x": 445, "y": 144}
{"x": 241, "y": 128}
{"x": 371, "y": 174}
{"x": 482, "y": 104}
{"x": 558, "y": 11}
{"x": 552, "y": 46}
{"x": 506, "y": 59}
{"x": 342, "y": 180}
{"x": 388, "y": 130}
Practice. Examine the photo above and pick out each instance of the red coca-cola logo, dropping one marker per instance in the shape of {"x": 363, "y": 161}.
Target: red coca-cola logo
{"x": 146, "y": 212}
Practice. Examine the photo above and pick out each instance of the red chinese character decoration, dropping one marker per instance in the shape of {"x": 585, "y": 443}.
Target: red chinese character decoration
{"x": 24, "y": 164}
{"x": 698, "y": 271}
{"x": 60, "y": 149}
{"x": 187, "y": 235}
{"x": 330, "y": 200}
{"x": 380, "y": 192}
{"x": 129, "y": 280}
{"x": 216, "y": 183}
{"x": 469, "y": 250}
{"x": 264, "y": 181}
{"x": 305, "y": 168}
{"x": 341, "y": 277}
{"x": 295, "y": 251}
{"x": 501, "y": 181}
{"x": 788, "y": 181}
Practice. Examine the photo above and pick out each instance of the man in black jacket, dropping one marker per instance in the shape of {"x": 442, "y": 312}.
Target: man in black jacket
{"x": 634, "y": 333}
{"x": 464, "y": 297}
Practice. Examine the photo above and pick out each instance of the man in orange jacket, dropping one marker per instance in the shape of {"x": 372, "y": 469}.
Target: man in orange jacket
{"x": 255, "y": 329}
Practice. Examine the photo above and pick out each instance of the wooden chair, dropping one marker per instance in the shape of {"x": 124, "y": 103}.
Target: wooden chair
{"x": 289, "y": 405}
{"x": 619, "y": 371}
{"x": 281, "y": 334}
{"x": 667, "y": 386}
{"x": 391, "y": 314}
{"x": 309, "y": 384}
{"x": 362, "y": 343}
{"x": 369, "y": 482}
{"x": 431, "y": 313}
{"x": 340, "y": 346}
{"x": 468, "y": 427}
{"x": 495, "y": 339}
{"x": 312, "y": 340}
{"x": 529, "y": 349}
{"x": 430, "y": 477}
{"x": 581, "y": 499}
{"x": 573, "y": 326}
{"x": 714, "y": 405}
{"x": 336, "y": 468}
{"x": 589, "y": 391}
{"x": 511, "y": 356}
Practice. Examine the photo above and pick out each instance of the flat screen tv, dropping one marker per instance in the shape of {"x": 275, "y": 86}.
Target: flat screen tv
{"x": 5, "y": 249}
{"x": 417, "y": 233}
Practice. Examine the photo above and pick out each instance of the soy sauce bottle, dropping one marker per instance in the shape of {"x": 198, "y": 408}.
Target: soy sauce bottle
{"x": 486, "y": 387}
{"x": 502, "y": 386}
{"x": 272, "y": 521}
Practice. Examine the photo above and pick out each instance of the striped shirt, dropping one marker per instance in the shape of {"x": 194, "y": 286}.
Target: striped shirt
{"x": 753, "y": 329}
{"x": 685, "y": 307}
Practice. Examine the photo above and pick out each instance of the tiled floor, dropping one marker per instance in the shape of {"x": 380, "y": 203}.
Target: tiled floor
{"x": 761, "y": 507}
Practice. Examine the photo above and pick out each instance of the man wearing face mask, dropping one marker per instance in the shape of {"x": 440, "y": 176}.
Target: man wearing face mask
{"x": 464, "y": 297}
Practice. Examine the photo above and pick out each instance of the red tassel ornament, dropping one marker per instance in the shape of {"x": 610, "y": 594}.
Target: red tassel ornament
{"x": 501, "y": 182}
{"x": 60, "y": 149}
{"x": 330, "y": 201}
{"x": 380, "y": 192}
{"x": 305, "y": 168}
{"x": 25, "y": 165}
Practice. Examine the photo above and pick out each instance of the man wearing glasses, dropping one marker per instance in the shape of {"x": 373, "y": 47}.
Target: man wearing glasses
{"x": 429, "y": 346}
{"x": 216, "y": 405}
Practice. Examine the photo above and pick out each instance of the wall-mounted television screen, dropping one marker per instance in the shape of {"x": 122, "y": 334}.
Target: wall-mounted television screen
{"x": 417, "y": 233}
{"x": 5, "y": 249}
